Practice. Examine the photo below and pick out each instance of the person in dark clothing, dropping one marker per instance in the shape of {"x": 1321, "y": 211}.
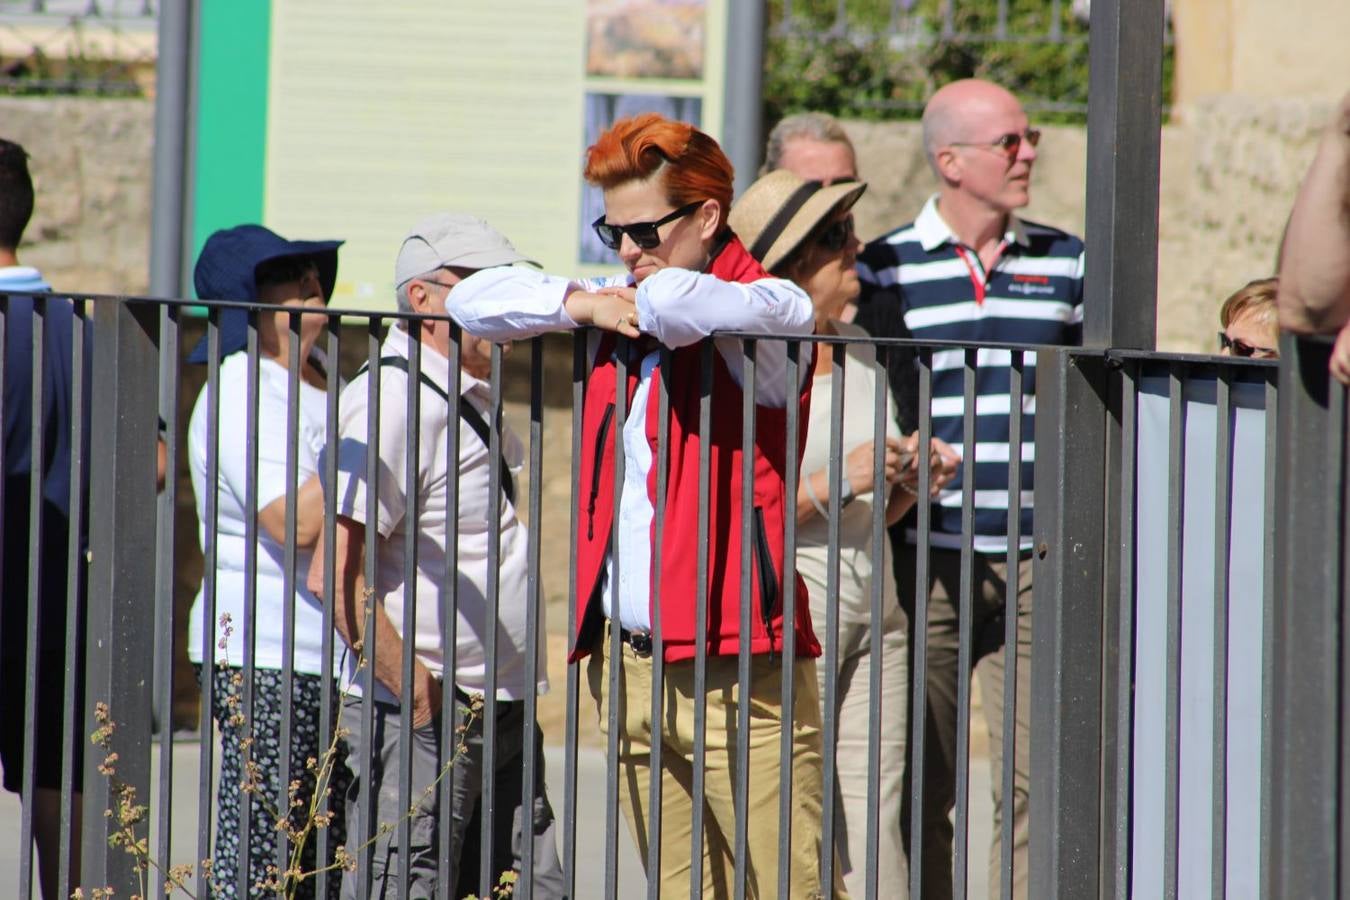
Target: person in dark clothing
{"x": 51, "y": 718}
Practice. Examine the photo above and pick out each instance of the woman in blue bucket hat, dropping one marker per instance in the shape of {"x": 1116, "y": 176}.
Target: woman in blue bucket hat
{"x": 251, "y": 263}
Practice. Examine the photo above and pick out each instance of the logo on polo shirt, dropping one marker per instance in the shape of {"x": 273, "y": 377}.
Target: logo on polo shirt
{"x": 1031, "y": 284}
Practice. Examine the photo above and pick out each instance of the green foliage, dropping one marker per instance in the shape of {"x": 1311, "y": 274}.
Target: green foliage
{"x": 878, "y": 68}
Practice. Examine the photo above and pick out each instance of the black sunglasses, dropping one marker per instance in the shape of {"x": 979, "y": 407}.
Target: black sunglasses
{"x": 1239, "y": 347}
{"x": 644, "y": 234}
{"x": 836, "y": 236}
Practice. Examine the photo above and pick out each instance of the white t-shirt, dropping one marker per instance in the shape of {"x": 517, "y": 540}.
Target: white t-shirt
{"x": 234, "y": 446}
{"x": 392, "y": 523}
{"x": 855, "y": 520}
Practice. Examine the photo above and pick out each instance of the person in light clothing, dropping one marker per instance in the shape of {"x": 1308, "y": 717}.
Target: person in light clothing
{"x": 438, "y": 252}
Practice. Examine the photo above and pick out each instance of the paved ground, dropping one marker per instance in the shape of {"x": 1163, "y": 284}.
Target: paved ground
{"x": 590, "y": 816}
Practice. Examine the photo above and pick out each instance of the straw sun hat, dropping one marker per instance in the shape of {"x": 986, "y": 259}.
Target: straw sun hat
{"x": 777, "y": 212}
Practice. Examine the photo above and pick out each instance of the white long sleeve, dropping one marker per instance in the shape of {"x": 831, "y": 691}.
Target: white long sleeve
{"x": 679, "y": 307}
{"x": 510, "y": 303}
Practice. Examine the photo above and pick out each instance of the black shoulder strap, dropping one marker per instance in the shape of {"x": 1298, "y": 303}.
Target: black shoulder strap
{"x": 467, "y": 412}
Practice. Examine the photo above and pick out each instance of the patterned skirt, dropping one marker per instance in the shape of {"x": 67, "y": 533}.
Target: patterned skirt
{"x": 269, "y": 796}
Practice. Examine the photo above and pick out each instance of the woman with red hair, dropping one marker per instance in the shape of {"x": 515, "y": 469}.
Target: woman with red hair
{"x": 667, "y": 189}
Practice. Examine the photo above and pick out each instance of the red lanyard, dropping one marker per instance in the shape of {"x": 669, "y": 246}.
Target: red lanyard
{"x": 975, "y": 277}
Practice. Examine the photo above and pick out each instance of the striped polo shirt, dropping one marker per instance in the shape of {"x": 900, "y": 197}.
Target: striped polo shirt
{"x": 1032, "y": 295}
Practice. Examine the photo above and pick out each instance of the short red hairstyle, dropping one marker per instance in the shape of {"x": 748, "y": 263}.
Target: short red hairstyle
{"x": 691, "y": 164}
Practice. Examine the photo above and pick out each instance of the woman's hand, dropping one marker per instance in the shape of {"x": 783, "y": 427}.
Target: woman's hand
{"x": 612, "y": 309}
{"x": 942, "y": 464}
{"x": 858, "y": 465}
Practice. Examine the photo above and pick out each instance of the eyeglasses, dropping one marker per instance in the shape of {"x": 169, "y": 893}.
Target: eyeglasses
{"x": 644, "y": 234}
{"x": 1239, "y": 347}
{"x": 1009, "y": 144}
{"x": 836, "y": 236}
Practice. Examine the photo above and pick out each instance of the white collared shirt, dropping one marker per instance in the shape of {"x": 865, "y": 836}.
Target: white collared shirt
{"x": 393, "y": 522}
{"x": 678, "y": 307}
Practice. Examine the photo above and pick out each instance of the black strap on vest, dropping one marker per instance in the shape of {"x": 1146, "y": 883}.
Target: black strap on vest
{"x": 467, "y": 412}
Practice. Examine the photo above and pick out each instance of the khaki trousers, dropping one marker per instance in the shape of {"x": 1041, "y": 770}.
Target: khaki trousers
{"x": 856, "y": 718}
{"x": 944, "y": 629}
{"x": 636, "y": 733}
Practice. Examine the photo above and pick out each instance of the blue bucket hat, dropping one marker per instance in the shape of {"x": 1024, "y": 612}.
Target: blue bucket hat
{"x": 226, "y": 268}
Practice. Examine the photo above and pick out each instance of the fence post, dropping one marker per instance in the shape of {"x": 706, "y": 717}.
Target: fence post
{"x": 1124, "y": 148}
{"x": 1307, "y": 704}
{"x": 120, "y": 620}
{"x": 1066, "y": 661}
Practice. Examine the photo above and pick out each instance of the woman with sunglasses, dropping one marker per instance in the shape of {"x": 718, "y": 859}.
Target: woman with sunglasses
{"x": 667, "y": 189}
{"x": 1250, "y": 323}
{"x": 803, "y": 230}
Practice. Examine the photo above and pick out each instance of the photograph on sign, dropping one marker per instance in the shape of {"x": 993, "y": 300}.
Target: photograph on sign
{"x": 645, "y": 38}
{"x": 602, "y": 111}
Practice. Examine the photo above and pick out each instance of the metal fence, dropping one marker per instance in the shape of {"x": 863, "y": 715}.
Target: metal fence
{"x": 1151, "y": 472}
{"x": 102, "y": 47}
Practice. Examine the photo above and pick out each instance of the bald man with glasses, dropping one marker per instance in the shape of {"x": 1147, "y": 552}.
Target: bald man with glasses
{"x": 969, "y": 269}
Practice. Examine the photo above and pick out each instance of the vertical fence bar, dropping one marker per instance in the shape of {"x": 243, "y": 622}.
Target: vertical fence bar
{"x": 1223, "y": 469}
{"x": 76, "y": 635}
{"x": 487, "y": 801}
{"x": 534, "y": 598}
{"x": 701, "y": 593}
{"x": 743, "y": 678}
{"x": 787, "y": 588}
{"x": 662, "y": 387}
{"x": 881, "y": 495}
{"x": 210, "y": 554}
{"x": 1066, "y": 625}
{"x": 366, "y": 834}
{"x": 1306, "y": 704}
{"x": 919, "y": 630}
{"x": 1268, "y": 586}
{"x": 616, "y": 654}
{"x": 1016, "y": 361}
{"x": 329, "y": 760}
{"x": 243, "y": 886}
{"x": 165, "y": 615}
{"x": 1119, "y": 831}
{"x": 37, "y": 454}
{"x": 412, "y": 499}
{"x": 448, "y": 867}
{"x": 580, "y": 367}
{"x": 1124, "y": 146}
{"x": 288, "y": 593}
{"x": 965, "y": 636}
{"x": 1176, "y": 492}
{"x": 122, "y": 488}
{"x": 830, "y": 661}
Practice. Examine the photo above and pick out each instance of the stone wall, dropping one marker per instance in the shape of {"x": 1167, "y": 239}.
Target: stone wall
{"x": 91, "y": 161}
{"x": 1230, "y": 167}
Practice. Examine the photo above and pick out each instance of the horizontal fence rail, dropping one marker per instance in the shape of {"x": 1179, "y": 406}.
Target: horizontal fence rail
{"x": 425, "y": 477}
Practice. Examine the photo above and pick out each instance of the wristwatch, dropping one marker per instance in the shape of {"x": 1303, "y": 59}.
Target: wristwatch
{"x": 846, "y": 495}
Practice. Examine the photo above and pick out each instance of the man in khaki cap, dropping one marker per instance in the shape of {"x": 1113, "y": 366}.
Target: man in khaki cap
{"x": 438, "y": 252}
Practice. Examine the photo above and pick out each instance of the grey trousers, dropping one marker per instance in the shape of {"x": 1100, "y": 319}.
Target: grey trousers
{"x": 944, "y": 628}
{"x": 466, "y": 780}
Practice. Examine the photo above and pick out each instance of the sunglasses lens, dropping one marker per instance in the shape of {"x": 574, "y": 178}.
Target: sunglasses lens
{"x": 608, "y": 234}
{"x": 1033, "y": 136}
{"x": 645, "y": 235}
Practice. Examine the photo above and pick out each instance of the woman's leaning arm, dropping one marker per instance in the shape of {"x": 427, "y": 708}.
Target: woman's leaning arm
{"x": 511, "y": 303}
{"x": 680, "y": 307}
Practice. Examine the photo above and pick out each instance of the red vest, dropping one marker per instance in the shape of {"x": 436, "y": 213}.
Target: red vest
{"x": 679, "y": 538}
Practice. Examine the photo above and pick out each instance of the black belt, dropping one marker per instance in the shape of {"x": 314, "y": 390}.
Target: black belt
{"x": 640, "y": 641}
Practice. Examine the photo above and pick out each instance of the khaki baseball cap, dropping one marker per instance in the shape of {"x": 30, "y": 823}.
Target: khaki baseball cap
{"x": 453, "y": 239}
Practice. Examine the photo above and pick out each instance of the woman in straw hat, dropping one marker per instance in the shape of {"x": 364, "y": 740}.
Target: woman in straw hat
{"x": 803, "y": 230}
